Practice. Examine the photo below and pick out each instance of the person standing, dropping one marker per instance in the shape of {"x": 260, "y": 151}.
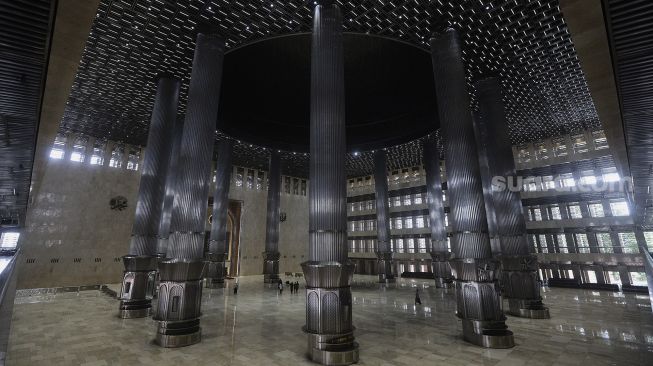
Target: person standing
{"x": 418, "y": 301}
{"x": 280, "y": 287}
{"x": 236, "y": 288}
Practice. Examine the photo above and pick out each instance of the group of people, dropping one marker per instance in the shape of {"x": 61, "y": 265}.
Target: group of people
{"x": 294, "y": 287}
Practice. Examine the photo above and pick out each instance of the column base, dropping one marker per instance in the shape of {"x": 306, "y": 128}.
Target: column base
{"x": 488, "y": 333}
{"x": 175, "y": 334}
{"x": 443, "y": 283}
{"x": 135, "y": 309}
{"x": 333, "y": 349}
{"x": 271, "y": 278}
{"x": 533, "y": 309}
{"x": 384, "y": 278}
{"x": 214, "y": 283}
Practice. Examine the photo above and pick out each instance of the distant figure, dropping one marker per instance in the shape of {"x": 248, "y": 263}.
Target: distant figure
{"x": 418, "y": 301}
{"x": 236, "y": 289}
{"x": 296, "y": 286}
{"x": 292, "y": 286}
{"x": 280, "y": 287}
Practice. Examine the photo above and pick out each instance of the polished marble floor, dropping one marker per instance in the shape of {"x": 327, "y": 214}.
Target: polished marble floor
{"x": 259, "y": 327}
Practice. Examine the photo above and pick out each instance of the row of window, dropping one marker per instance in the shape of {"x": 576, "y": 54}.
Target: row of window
{"x": 396, "y": 201}
{"x": 574, "y": 211}
{"x": 81, "y": 152}
{"x": 560, "y": 148}
{"x": 590, "y": 276}
{"x": 397, "y": 245}
{"x": 258, "y": 180}
{"x": 408, "y": 222}
{"x": 567, "y": 180}
{"x": 558, "y": 243}
{"x": 405, "y": 175}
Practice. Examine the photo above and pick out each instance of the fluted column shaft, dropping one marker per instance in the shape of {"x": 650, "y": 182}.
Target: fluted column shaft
{"x": 140, "y": 265}
{"x": 218, "y": 246}
{"x": 166, "y": 213}
{"x": 383, "y": 248}
{"x": 328, "y": 271}
{"x": 180, "y": 289}
{"x": 477, "y": 292}
{"x": 519, "y": 267}
{"x": 271, "y": 254}
{"x": 438, "y": 248}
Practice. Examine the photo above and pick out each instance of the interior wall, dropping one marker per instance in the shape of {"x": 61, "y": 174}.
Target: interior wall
{"x": 73, "y": 237}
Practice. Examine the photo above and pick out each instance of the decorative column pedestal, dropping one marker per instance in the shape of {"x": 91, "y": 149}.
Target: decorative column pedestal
{"x": 521, "y": 287}
{"x": 478, "y": 295}
{"x": 179, "y": 300}
{"x": 271, "y": 267}
{"x": 328, "y": 271}
{"x": 216, "y": 270}
{"x": 328, "y": 313}
{"x": 139, "y": 276}
{"x": 137, "y": 286}
{"x": 441, "y": 269}
{"x": 384, "y": 263}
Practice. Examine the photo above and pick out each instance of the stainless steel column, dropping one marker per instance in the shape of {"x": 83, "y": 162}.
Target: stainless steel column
{"x": 439, "y": 252}
{"x": 271, "y": 254}
{"x": 328, "y": 271}
{"x": 171, "y": 180}
{"x": 180, "y": 290}
{"x": 519, "y": 267}
{"x": 218, "y": 250}
{"x": 141, "y": 263}
{"x": 383, "y": 249}
{"x": 477, "y": 291}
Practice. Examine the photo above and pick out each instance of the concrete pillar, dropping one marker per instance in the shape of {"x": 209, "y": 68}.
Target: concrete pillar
{"x": 141, "y": 262}
{"x": 383, "y": 250}
{"x": 438, "y": 241}
{"x": 478, "y": 297}
{"x": 218, "y": 245}
{"x": 271, "y": 254}
{"x": 180, "y": 290}
{"x": 328, "y": 270}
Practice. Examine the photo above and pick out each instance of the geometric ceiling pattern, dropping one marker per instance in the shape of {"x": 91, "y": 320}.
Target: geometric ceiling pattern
{"x": 525, "y": 43}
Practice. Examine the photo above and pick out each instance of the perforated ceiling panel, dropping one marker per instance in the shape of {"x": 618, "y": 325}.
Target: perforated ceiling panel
{"x": 526, "y": 43}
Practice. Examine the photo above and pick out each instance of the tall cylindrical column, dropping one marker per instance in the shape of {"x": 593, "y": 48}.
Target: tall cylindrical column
{"x": 218, "y": 246}
{"x": 180, "y": 290}
{"x": 519, "y": 267}
{"x": 166, "y": 213}
{"x": 141, "y": 262}
{"x": 438, "y": 248}
{"x": 271, "y": 254}
{"x": 477, "y": 291}
{"x": 383, "y": 248}
{"x": 328, "y": 271}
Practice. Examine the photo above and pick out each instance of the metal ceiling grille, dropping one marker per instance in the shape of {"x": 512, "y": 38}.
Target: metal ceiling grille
{"x": 526, "y": 43}
{"x": 24, "y": 31}
{"x": 630, "y": 28}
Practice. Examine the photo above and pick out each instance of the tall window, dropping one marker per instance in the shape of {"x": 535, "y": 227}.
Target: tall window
{"x": 524, "y": 156}
{"x": 619, "y": 208}
{"x": 582, "y": 243}
{"x": 116, "y": 157}
{"x": 240, "y": 174}
{"x": 97, "y": 156}
{"x": 58, "y": 148}
{"x": 610, "y": 175}
{"x": 537, "y": 214}
{"x": 410, "y": 243}
{"x": 9, "y": 240}
{"x": 587, "y": 178}
{"x": 398, "y": 223}
{"x": 555, "y": 213}
{"x": 419, "y": 222}
{"x": 286, "y": 184}
{"x": 79, "y": 149}
{"x": 408, "y": 222}
{"x": 421, "y": 242}
{"x": 548, "y": 182}
{"x": 596, "y": 209}
{"x": 396, "y": 201}
{"x": 600, "y": 141}
{"x": 541, "y": 152}
{"x": 407, "y": 200}
{"x": 400, "y": 245}
{"x": 543, "y": 244}
{"x": 628, "y": 242}
{"x": 559, "y": 147}
{"x": 417, "y": 200}
{"x": 260, "y": 178}
{"x": 303, "y": 191}
{"x": 562, "y": 243}
{"x": 574, "y": 211}
{"x": 250, "y": 179}
{"x": 133, "y": 159}
{"x": 567, "y": 180}
{"x": 295, "y": 186}
{"x": 579, "y": 143}
{"x": 604, "y": 242}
